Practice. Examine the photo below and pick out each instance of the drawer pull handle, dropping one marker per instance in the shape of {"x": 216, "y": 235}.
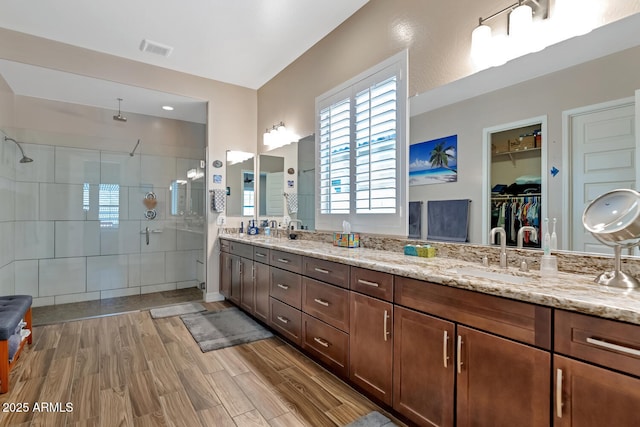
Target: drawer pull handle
{"x": 321, "y": 302}
{"x": 283, "y": 319}
{"x": 368, "y": 283}
{"x": 385, "y": 331}
{"x": 559, "y": 393}
{"x": 445, "y": 349}
{"x": 459, "y": 354}
{"x": 260, "y": 254}
{"x": 281, "y": 286}
{"x": 321, "y": 270}
{"x": 286, "y": 261}
{"x": 615, "y": 347}
{"x": 321, "y": 342}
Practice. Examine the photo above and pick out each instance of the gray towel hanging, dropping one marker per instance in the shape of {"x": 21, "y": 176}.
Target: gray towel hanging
{"x": 448, "y": 220}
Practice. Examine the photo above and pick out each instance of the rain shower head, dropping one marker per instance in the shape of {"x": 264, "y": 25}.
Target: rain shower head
{"x": 24, "y": 158}
{"x": 119, "y": 117}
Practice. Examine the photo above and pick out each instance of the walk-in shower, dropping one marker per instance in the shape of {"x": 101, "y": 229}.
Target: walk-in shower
{"x": 24, "y": 158}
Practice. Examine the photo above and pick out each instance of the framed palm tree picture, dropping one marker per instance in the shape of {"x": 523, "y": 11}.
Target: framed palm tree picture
{"x": 434, "y": 162}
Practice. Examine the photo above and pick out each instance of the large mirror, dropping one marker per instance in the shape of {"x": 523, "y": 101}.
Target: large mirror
{"x": 307, "y": 181}
{"x": 581, "y": 103}
{"x": 241, "y": 184}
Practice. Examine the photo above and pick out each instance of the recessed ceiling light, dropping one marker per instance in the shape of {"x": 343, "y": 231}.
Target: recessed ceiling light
{"x": 167, "y": 107}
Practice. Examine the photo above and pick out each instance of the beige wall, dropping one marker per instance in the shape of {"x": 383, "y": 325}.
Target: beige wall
{"x": 613, "y": 77}
{"x": 232, "y": 110}
{"x": 436, "y": 33}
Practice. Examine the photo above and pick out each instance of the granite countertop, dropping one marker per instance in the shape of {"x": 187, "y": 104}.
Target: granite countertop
{"x": 567, "y": 291}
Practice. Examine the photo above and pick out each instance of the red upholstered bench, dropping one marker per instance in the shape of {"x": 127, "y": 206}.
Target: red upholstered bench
{"x": 13, "y": 310}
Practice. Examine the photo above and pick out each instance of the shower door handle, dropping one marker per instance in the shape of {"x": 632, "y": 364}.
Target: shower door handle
{"x": 147, "y": 234}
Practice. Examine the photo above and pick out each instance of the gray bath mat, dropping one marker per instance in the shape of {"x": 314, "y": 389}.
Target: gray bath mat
{"x": 223, "y": 328}
{"x": 372, "y": 419}
{"x": 176, "y": 310}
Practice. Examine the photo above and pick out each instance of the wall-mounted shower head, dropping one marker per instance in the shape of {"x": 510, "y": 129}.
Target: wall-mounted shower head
{"x": 134, "y": 148}
{"x": 24, "y": 158}
{"x": 119, "y": 117}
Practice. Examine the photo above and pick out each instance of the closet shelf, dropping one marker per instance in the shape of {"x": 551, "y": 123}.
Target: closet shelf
{"x": 514, "y": 154}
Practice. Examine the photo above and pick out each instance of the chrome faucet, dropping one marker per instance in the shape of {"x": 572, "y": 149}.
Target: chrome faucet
{"x": 534, "y": 234}
{"x": 503, "y": 244}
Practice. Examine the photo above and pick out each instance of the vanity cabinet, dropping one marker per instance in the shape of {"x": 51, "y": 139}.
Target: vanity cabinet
{"x": 262, "y": 281}
{"x": 500, "y": 377}
{"x": 226, "y": 262}
{"x": 371, "y": 346}
{"x": 423, "y": 367}
{"x": 589, "y": 395}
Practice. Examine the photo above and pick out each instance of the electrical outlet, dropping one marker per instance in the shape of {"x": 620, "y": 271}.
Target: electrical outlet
{"x": 201, "y": 285}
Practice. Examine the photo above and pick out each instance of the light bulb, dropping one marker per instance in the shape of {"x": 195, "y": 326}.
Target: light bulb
{"x": 520, "y": 21}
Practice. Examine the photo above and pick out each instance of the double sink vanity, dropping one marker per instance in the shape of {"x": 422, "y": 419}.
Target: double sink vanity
{"x": 445, "y": 341}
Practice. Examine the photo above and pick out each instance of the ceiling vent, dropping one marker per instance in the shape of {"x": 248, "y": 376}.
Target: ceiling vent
{"x": 155, "y": 48}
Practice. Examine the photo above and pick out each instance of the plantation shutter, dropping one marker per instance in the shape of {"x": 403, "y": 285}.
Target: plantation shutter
{"x": 335, "y": 158}
{"x": 375, "y": 153}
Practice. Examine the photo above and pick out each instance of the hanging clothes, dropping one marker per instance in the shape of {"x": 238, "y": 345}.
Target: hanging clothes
{"x": 514, "y": 212}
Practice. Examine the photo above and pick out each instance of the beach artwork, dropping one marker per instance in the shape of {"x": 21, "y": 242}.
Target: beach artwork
{"x": 434, "y": 162}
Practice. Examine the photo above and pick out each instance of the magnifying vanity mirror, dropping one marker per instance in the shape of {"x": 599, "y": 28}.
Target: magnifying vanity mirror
{"x": 241, "y": 184}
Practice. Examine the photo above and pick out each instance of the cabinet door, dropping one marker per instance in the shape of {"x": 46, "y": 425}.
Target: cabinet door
{"x": 247, "y": 288}
{"x": 262, "y": 275}
{"x": 424, "y": 368}
{"x": 589, "y": 396}
{"x": 371, "y": 346}
{"x": 501, "y": 382}
{"x": 236, "y": 279}
{"x": 225, "y": 274}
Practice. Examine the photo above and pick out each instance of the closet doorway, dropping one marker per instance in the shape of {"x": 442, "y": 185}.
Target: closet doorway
{"x": 514, "y": 182}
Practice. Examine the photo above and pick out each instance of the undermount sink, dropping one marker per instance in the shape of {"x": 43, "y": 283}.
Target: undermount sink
{"x": 492, "y": 275}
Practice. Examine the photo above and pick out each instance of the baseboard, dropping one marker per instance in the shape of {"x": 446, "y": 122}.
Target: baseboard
{"x": 213, "y": 296}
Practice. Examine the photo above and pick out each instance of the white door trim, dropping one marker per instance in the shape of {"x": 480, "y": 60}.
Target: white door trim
{"x": 486, "y": 161}
{"x": 567, "y": 187}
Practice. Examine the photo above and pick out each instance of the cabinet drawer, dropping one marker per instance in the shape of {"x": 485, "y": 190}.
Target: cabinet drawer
{"x": 287, "y": 320}
{"x": 286, "y": 286}
{"x": 521, "y": 321}
{"x": 241, "y": 249}
{"x": 372, "y": 283}
{"x": 606, "y": 342}
{"x": 327, "y": 271}
{"x": 261, "y": 254}
{"x": 327, "y": 343}
{"x": 326, "y": 302}
{"x": 286, "y": 261}
{"x": 224, "y": 245}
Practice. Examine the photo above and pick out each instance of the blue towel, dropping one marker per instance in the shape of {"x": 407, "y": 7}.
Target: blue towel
{"x": 448, "y": 220}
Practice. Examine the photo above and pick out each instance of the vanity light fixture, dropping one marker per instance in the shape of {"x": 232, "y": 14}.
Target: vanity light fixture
{"x": 484, "y": 46}
{"x": 234, "y": 157}
{"x": 279, "y": 136}
{"x": 167, "y": 107}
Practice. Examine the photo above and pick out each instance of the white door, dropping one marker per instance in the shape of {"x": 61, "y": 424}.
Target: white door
{"x": 603, "y": 155}
{"x": 274, "y": 191}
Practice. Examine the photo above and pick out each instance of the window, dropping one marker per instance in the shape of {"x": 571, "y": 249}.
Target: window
{"x": 361, "y": 151}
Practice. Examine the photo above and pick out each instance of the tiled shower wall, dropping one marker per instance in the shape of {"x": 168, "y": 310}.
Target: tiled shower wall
{"x": 62, "y": 241}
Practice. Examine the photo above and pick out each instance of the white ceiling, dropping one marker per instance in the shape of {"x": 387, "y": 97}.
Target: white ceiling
{"x": 243, "y": 42}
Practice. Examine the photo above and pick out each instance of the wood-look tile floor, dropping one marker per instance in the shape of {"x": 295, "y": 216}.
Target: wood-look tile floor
{"x": 132, "y": 370}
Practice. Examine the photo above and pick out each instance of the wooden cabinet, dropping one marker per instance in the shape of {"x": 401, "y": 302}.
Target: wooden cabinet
{"x": 500, "y": 382}
{"x": 371, "y": 346}
{"x": 262, "y": 283}
{"x": 326, "y": 271}
{"x": 587, "y": 395}
{"x": 236, "y": 279}
{"x": 225, "y": 273}
{"x": 247, "y": 286}
{"x": 287, "y": 320}
{"x": 372, "y": 283}
{"x": 330, "y": 345}
{"x": 590, "y": 396}
{"x": 326, "y": 302}
{"x": 424, "y": 368}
